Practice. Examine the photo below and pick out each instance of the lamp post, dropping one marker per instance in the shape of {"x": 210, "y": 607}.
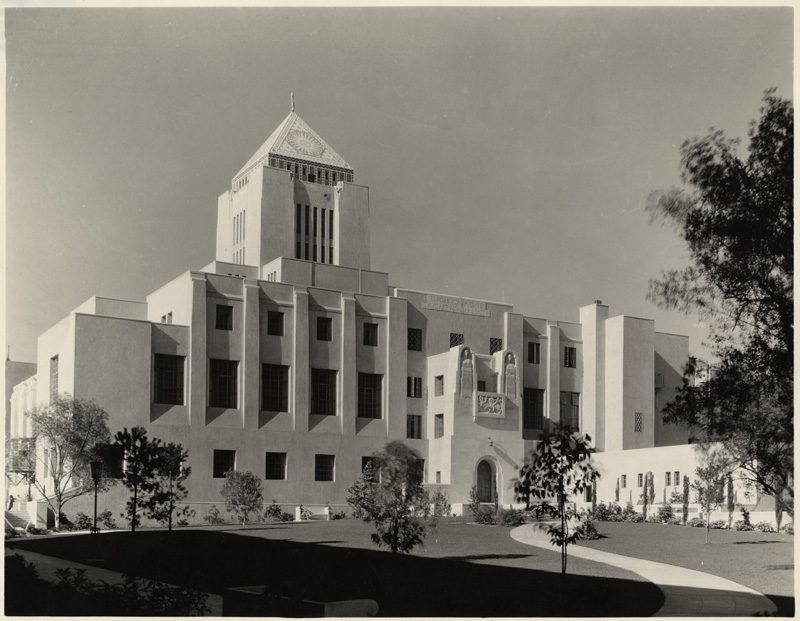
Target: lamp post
{"x": 96, "y": 468}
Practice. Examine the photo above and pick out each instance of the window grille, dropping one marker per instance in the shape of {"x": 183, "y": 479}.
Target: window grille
{"x": 275, "y": 466}
{"x": 324, "y": 328}
{"x": 415, "y": 339}
{"x": 323, "y": 392}
{"x": 533, "y": 408}
{"x": 223, "y": 461}
{"x": 224, "y": 317}
{"x": 414, "y": 387}
{"x": 275, "y": 322}
{"x": 323, "y": 467}
{"x": 369, "y": 395}
{"x": 570, "y": 357}
{"x": 274, "y": 388}
{"x": 371, "y": 334}
{"x": 456, "y": 339}
{"x": 414, "y": 426}
{"x": 637, "y": 422}
{"x": 223, "y": 384}
{"x": 168, "y": 379}
{"x": 495, "y": 345}
{"x": 570, "y": 410}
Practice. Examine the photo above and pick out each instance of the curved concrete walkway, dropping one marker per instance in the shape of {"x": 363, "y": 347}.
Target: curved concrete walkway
{"x": 687, "y": 593}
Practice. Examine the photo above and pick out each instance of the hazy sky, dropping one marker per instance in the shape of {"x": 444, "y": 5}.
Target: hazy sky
{"x": 508, "y": 152}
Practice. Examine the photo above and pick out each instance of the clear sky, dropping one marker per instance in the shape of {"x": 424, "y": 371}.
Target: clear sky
{"x": 508, "y": 152}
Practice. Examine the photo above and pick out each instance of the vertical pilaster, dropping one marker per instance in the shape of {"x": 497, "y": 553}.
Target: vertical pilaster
{"x": 553, "y": 393}
{"x": 396, "y": 366}
{"x": 348, "y": 373}
{"x": 513, "y": 340}
{"x": 251, "y": 355}
{"x": 198, "y": 377}
{"x": 300, "y": 388}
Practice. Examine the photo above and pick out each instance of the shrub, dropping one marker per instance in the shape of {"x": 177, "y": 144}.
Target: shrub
{"x": 665, "y": 513}
{"x": 213, "y": 516}
{"x": 745, "y": 516}
{"x": 586, "y": 529}
{"x": 628, "y": 512}
{"x": 717, "y": 524}
{"x": 83, "y": 521}
{"x": 676, "y": 496}
{"x": 106, "y": 518}
{"x": 34, "y": 530}
{"x": 788, "y": 528}
{"x": 696, "y": 522}
{"x": 485, "y": 516}
{"x": 607, "y": 513}
{"x": 273, "y": 511}
{"x": 636, "y": 518}
{"x": 441, "y": 504}
{"x": 337, "y": 515}
{"x": 764, "y": 527}
{"x": 510, "y": 517}
{"x": 676, "y": 521}
{"x": 741, "y": 525}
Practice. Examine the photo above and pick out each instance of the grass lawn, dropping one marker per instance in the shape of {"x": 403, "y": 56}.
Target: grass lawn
{"x": 761, "y": 561}
{"x": 463, "y": 570}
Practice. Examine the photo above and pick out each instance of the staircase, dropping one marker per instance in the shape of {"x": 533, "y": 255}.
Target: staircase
{"x": 17, "y": 519}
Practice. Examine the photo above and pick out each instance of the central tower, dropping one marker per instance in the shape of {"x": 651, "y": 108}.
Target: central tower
{"x": 294, "y": 198}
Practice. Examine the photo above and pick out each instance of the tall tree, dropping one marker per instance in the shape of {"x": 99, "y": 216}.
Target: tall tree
{"x": 66, "y": 432}
{"x": 167, "y": 486}
{"x": 561, "y": 467}
{"x": 139, "y": 454}
{"x": 389, "y": 494}
{"x": 735, "y": 215}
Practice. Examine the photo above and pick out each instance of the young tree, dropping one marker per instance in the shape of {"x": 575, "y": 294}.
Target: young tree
{"x": 139, "y": 455}
{"x": 560, "y": 467}
{"x": 731, "y": 500}
{"x": 389, "y": 494}
{"x": 736, "y": 217}
{"x": 243, "y": 494}
{"x": 685, "y": 508}
{"x": 66, "y": 432}
{"x": 167, "y": 486}
{"x": 709, "y": 486}
{"x": 648, "y": 494}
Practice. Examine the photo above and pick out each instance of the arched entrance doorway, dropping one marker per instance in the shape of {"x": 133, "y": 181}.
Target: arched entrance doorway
{"x": 486, "y": 483}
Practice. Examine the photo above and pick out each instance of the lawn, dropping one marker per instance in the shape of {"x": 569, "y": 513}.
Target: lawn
{"x": 761, "y": 561}
{"x": 464, "y": 570}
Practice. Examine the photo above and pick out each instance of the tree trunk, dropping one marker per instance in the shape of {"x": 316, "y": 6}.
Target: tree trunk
{"x": 171, "y": 504}
{"x": 133, "y": 510}
{"x": 708, "y": 525}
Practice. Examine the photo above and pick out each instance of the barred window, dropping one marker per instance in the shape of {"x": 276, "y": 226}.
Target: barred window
{"x": 533, "y": 353}
{"x": 456, "y": 339}
{"x": 53, "y": 378}
{"x": 223, "y": 461}
{"x": 481, "y": 385}
{"x": 224, "y": 317}
{"x": 371, "y": 334}
{"x": 637, "y": 422}
{"x": 570, "y": 357}
{"x": 414, "y": 426}
{"x": 438, "y": 426}
{"x": 570, "y": 410}
{"x": 323, "y": 392}
{"x": 223, "y": 384}
{"x": 275, "y": 466}
{"x": 324, "y": 328}
{"x": 168, "y": 379}
{"x": 369, "y": 395}
{"x": 275, "y": 323}
{"x": 495, "y": 345}
{"x": 414, "y": 387}
{"x": 667, "y": 479}
{"x": 323, "y": 467}
{"x": 623, "y": 481}
{"x": 439, "y": 385}
{"x": 274, "y": 388}
{"x": 639, "y": 480}
{"x": 415, "y": 339}
{"x": 533, "y": 408}
{"x": 677, "y": 477}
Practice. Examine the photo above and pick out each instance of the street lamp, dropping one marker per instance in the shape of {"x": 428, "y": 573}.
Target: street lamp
{"x": 96, "y": 468}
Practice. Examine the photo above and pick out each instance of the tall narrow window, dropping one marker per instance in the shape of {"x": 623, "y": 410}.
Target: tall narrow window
{"x": 275, "y": 466}
{"x": 330, "y": 236}
{"x": 298, "y": 226}
{"x": 223, "y": 461}
{"x": 324, "y": 467}
{"x": 623, "y": 481}
{"x": 676, "y": 477}
{"x": 369, "y": 395}
{"x": 323, "y": 392}
{"x": 570, "y": 410}
{"x": 371, "y": 334}
{"x": 533, "y": 353}
{"x": 223, "y": 383}
{"x": 324, "y": 328}
{"x": 308, "y": 228}
{"x": 224, "y": 317}
{"x": 314, "y": 239}
{"x": 667, "y": 479}
{"x": 438, "y": 426}
{"x": 438, "y": 386}
{"x": 274, "y": 322}
{"x": 640, "y": 480}
{"x": 274, "y": 388}
{"x": 533, "y": 409}
{"x": 53, "y": 378}
{"x": 570, "y": 357}
{"x": 168, "y": 379}
{"x": 322, "y": 237}
{"x": 414, "y": 387}
{"x": 413, "y": 426}
{"x": 638, "y": 422}
{"x": 415, "y": 339}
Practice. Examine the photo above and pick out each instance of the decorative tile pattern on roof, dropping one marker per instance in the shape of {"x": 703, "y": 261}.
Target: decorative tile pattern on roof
{"x": 294, "y": 138}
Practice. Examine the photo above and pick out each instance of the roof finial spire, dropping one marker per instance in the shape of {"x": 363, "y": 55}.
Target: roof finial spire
{"x": 291, "y": 96}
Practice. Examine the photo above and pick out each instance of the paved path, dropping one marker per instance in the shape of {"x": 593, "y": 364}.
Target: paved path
{"x": 46, "y": 567}
{"x": 687, "y": 593}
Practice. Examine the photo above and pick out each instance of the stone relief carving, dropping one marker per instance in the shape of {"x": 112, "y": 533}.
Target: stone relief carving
{"x": 467, "y": 372}
{"x": 455, "y": 305}
{"x": 491, "y": 405}
{"x": 511, "y": 377}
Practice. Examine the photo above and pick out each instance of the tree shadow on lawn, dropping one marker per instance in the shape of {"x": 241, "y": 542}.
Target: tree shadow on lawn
{"x": 403, "y": 585}
{"x": 738, "y": 543}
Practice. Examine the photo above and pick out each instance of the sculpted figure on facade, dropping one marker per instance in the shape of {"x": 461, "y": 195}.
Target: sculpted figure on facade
{"x": 467, "y": 372}
{"x": 511, "y": 376}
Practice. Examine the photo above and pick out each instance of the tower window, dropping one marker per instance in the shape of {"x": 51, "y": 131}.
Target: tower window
{"x": 168, "y": 379}
{"x": 274, "y": 388}
{"x": 415, "y": 339}
{"x": 324, "y": 328}
{"x": 371, "y": 334}
{"x": 570, "y": 357}
{"x": 224, "y": 317}
{"x": 53, "y": 378}
{"x": 223, "y": 383}
{"x": 439, "y": 386}
{"x": 275, "y": 466}
{"x": 570, "y": 410}
{"x": 369, "y": 395}
{"x": 637, "y": 422}
{"x": 274, "y": 320}
{"x": 414, "y": 426}
{"x": 323, "y": 467}
{"x": 456, "y": 339}
{"x": 533, "y": 409}
{"x": 323, "y": 392}
{"x": 495, "y": 345}
{"x": 438, "y": 430}
{"x": 223, "y": 461}
{"x": 533, "y": 353}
